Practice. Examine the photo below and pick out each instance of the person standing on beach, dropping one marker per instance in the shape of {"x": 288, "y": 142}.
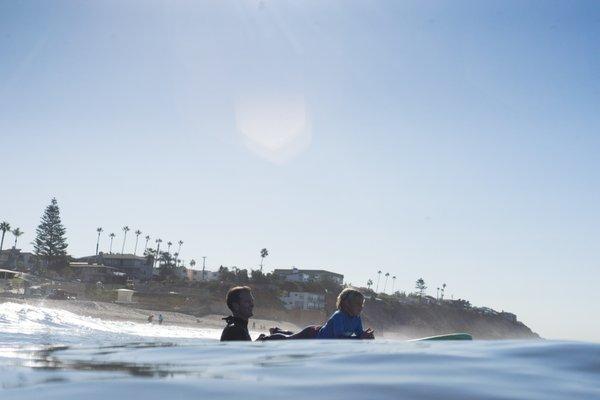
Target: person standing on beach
{"x": 241, "y": 302}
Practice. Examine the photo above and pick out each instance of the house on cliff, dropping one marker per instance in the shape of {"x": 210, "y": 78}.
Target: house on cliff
{"x": 308, "y": 275}
{"x": 17, "y": 260}
{"x": 195, "y": 275}
{"x": 133, "y": 266}
{"x": 303, "y": 301}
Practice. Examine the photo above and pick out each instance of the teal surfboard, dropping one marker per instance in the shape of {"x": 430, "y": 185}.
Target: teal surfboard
{"x": 450, "y": 336}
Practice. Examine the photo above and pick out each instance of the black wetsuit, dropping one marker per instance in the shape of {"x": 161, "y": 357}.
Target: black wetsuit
{"x": 236, "y": 329}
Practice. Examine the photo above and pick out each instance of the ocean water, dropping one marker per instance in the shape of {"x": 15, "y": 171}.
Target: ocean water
{"x": 54, "y": 354}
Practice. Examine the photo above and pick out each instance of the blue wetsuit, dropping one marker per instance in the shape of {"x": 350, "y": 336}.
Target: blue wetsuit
{"x": 341, "y": 326}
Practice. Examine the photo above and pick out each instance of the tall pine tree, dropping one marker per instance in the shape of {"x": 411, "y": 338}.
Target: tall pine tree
{"x": 50, "y": 243}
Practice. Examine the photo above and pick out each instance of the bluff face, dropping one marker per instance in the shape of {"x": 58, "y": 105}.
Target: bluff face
{"x": 412, "y": 320}
{"x": 404, "y": 317}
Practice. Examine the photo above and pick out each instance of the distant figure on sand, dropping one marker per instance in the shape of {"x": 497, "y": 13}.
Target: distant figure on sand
{"x": 241, "y": 303}
{"x": 345, "y": 323}
{"x": 150, "y": 318}
{"x": 160, "y": 319}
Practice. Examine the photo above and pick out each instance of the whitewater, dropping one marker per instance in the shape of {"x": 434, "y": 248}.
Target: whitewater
{"x": 56, "y": 354}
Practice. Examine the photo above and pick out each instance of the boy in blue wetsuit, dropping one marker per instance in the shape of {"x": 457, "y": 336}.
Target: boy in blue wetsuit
{"x": 345, "y": 323}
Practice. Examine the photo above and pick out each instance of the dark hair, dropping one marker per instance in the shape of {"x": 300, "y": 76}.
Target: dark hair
{"x": 233, "y": 295}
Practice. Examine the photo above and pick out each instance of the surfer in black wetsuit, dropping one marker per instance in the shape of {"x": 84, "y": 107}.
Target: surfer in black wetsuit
{"x": 241, "y": 302}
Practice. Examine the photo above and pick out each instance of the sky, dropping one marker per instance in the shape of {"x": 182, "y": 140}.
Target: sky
{"x": 454, "y": 141}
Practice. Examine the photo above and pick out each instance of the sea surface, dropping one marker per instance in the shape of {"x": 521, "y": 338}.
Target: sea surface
{"x": 54, "y": 354}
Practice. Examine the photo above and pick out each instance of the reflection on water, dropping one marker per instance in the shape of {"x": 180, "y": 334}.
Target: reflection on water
{"x": 344, "y": 369}
{"x": 49, "y": 358}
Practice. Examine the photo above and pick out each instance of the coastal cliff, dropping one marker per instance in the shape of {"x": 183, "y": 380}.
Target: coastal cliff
{"x": 395, "y": 319}
{"x": 392, "y": 316}
{"x": 418, "y": 320}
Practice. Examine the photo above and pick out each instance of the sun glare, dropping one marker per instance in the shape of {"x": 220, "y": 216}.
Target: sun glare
{"x": 275, "y": 127}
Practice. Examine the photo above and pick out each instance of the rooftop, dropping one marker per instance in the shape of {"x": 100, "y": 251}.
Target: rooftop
{"x": 116, "y": 256}
{"x": 305, "y": 271}
{"x": 86, "y": 265}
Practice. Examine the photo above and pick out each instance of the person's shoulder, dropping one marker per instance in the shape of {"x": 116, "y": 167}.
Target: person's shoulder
{"x": 232, "y": 332}
{"x": 343, "y": 315}
{"x": 337, "y": 316}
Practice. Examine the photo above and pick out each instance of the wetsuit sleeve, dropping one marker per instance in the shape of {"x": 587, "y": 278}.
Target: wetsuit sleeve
{"x": 359, "y": 328}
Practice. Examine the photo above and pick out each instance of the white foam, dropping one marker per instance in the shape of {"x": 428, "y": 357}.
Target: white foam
{"x": 24, "y": 319}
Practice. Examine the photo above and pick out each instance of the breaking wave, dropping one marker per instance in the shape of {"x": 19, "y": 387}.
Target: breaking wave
{"x": 23, "y": 323}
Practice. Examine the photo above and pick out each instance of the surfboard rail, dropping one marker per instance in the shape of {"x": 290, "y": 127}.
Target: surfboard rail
{"x": 449, "y": 336}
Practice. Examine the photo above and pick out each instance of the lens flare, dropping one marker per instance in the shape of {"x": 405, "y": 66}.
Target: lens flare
{"x": 276, "y": 127}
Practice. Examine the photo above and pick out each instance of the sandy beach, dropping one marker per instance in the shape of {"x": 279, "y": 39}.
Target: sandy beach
{"x": 121, "y": 312}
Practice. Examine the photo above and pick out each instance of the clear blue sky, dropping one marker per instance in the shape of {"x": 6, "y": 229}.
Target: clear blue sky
{"x": 455, "y": 141}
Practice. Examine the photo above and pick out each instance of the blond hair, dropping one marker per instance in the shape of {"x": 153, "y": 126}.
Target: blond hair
{"x": 347, "y": 295}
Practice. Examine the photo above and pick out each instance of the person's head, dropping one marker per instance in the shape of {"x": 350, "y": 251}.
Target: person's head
{"x": 350, "y": 301}
{"x": 240, "y": 302}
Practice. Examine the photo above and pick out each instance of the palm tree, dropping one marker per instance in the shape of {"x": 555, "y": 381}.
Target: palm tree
{"x": 158, "y": 242}
{"x": 369, "y": 284}
{"x": 263, "y": 254}
{"x": 4, "y": 226}
{"x": 192, "y": 263}
{"x": 16, "y": 232}
{"x": 111, "y": 236}
{"x": 99, "y": 230}
{"x": 393, "y": 283}
{"x": 175, "y": 257}
{"x": 437, "y": 296}
{"x": 378, "y": 277}
{"x": 443, "y": 290}
{"x": 147, "y": 240}
{"x": 169, "y": 244}
{"x": 387, "y": 274}
{"x": 178, "y": 249}
{"x": 125, "y": 229}
{"x": 137, "y": 236}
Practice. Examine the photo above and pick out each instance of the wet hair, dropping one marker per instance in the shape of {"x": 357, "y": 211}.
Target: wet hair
{"x": 233, "y": 295}
{"x": 346, "y": 295}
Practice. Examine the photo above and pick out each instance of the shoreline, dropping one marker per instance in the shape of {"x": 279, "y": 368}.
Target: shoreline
{"x": 113, "y": 311}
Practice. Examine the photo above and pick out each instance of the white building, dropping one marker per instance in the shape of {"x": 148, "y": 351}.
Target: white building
{"x": 308, "y": 275}
{"x": 124, "y": 295}
{"x": 195, "y": 275}
{"x": 134, "y": 266}
{"x": 8, "y": 278}
{"x": 303, "y": 301}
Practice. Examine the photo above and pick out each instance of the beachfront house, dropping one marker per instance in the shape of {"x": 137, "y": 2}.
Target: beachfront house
{"x": 303, "y": 301}
{"x": 125, "y": 296}
{"x": 17, "y": 260}
{"x": 13, "y": 281}
{"x": 486, "y": 311}
{"x": 308, "y": 275}
{"x": 97, "y": 273}
{"x": 195, "y": 275}
{"x": 134, "y": 267}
